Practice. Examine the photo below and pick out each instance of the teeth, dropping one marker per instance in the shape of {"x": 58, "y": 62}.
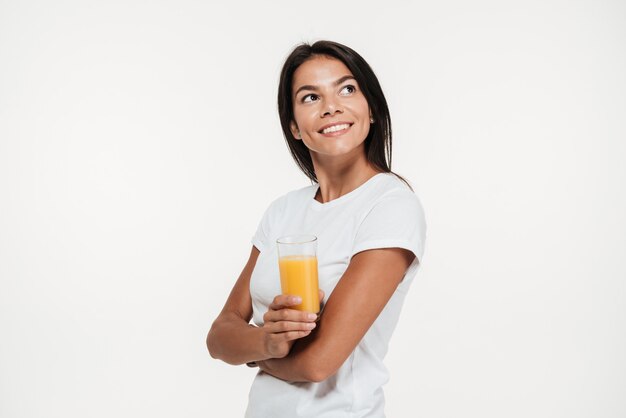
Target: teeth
{"x": 336, "y": 128}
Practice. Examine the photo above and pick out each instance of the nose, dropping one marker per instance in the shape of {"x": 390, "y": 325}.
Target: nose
{"x": 331, "y": 107}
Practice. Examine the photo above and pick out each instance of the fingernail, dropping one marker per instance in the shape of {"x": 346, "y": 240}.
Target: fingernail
{"x": 296, "y": 299}
{"x": 312, "y": 316}
{"x": 310, "y": 325}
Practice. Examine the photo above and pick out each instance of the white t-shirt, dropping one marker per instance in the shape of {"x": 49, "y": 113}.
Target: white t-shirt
{"x": 381, "y": 213}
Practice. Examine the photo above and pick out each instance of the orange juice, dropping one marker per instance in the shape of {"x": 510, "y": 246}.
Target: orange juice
{"x": 298, "y": 277}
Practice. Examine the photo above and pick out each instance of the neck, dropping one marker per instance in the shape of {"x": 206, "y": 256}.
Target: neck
{"x": 339, "y": 176}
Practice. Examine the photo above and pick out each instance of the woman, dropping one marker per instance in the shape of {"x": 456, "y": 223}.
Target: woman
{"x": 370, "y": 228}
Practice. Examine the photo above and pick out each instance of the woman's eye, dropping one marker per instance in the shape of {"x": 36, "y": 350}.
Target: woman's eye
{"x": 348, "y": 89}
{"x": 309, "y": 98}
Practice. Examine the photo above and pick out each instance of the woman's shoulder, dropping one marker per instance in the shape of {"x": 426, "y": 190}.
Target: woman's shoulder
{"x": 296, "y": 196}
{"x": 394, "y": 196}
{"x": 392, "y": 185}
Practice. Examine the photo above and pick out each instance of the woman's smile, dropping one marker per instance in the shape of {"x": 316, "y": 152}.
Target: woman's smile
{"x": 335, "y": 129}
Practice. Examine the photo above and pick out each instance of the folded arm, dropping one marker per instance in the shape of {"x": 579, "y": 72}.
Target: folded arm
{"x": 232, "y": 338}
{"x": 361, "y": 294}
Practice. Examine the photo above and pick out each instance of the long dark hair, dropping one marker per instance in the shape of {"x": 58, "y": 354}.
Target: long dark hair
{"x": 378, "y": 141}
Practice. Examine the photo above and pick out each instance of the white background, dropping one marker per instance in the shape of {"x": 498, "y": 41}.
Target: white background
{"x": 140, "y": 144}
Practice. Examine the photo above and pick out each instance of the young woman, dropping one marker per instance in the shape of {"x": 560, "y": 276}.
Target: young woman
{"x": 370, "y": 228}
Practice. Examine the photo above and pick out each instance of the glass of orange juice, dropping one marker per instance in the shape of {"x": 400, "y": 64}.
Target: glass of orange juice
{"x": 297, "y": 261}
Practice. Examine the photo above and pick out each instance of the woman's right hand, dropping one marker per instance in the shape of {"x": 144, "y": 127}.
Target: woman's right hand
{"x": 283, "y": 326}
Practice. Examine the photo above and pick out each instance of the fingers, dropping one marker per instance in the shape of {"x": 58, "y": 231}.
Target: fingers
{"x": 288, "y": 315}
{"x": 288, "y": 336}
{"x": 282, "y": 324}
{"x": 288, "y": 326}
{"x": 294, "y": 335}
{"x": 285, "y": 301}
{"x": 280, "y": 335}
{"x": 279, "y": 344}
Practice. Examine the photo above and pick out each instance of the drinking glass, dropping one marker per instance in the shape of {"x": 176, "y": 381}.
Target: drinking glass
{"x": 297, "y": 261}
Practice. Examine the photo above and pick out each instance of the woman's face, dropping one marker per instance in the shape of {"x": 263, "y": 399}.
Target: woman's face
{"x": 331, "y": 114}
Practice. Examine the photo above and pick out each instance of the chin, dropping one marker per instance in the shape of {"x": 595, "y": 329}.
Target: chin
{"x": 340, "y": 151}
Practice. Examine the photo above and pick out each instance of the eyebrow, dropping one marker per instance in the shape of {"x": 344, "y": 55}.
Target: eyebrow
{"x": 314, "y": 88}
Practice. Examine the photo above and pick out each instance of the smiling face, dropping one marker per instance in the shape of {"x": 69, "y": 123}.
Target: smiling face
{"x": 331, "y": 115}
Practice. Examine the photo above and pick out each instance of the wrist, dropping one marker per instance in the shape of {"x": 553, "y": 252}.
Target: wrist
{"x": 263, "y": 351}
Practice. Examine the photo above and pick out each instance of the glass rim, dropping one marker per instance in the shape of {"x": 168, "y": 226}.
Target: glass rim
{"x": 297, "y": 239}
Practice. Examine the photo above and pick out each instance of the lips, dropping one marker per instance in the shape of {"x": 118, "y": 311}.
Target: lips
{"x": 334, "y": 127}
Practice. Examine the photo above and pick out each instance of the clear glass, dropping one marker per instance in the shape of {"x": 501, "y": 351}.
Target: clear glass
{"x": 297, "y": 261}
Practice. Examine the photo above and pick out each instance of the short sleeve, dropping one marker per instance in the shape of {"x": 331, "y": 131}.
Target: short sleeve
{"x": 272, "y": 215}
{"x": 396, "y": 221}
{"x": 259, "y": 239}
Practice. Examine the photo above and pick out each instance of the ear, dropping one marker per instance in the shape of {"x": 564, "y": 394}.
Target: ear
{"x": 295, "y": 131}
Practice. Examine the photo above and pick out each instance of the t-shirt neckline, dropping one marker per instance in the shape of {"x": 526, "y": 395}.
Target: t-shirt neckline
{"x": 318, "y": 205}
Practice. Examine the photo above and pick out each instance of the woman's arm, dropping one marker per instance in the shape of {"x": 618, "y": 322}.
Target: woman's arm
{"x": 361, "y": 294}
{"x": 233, "y": 340}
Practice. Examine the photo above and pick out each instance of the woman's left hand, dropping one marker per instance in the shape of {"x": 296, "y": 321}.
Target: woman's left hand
{"x": 282, "y": 347}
